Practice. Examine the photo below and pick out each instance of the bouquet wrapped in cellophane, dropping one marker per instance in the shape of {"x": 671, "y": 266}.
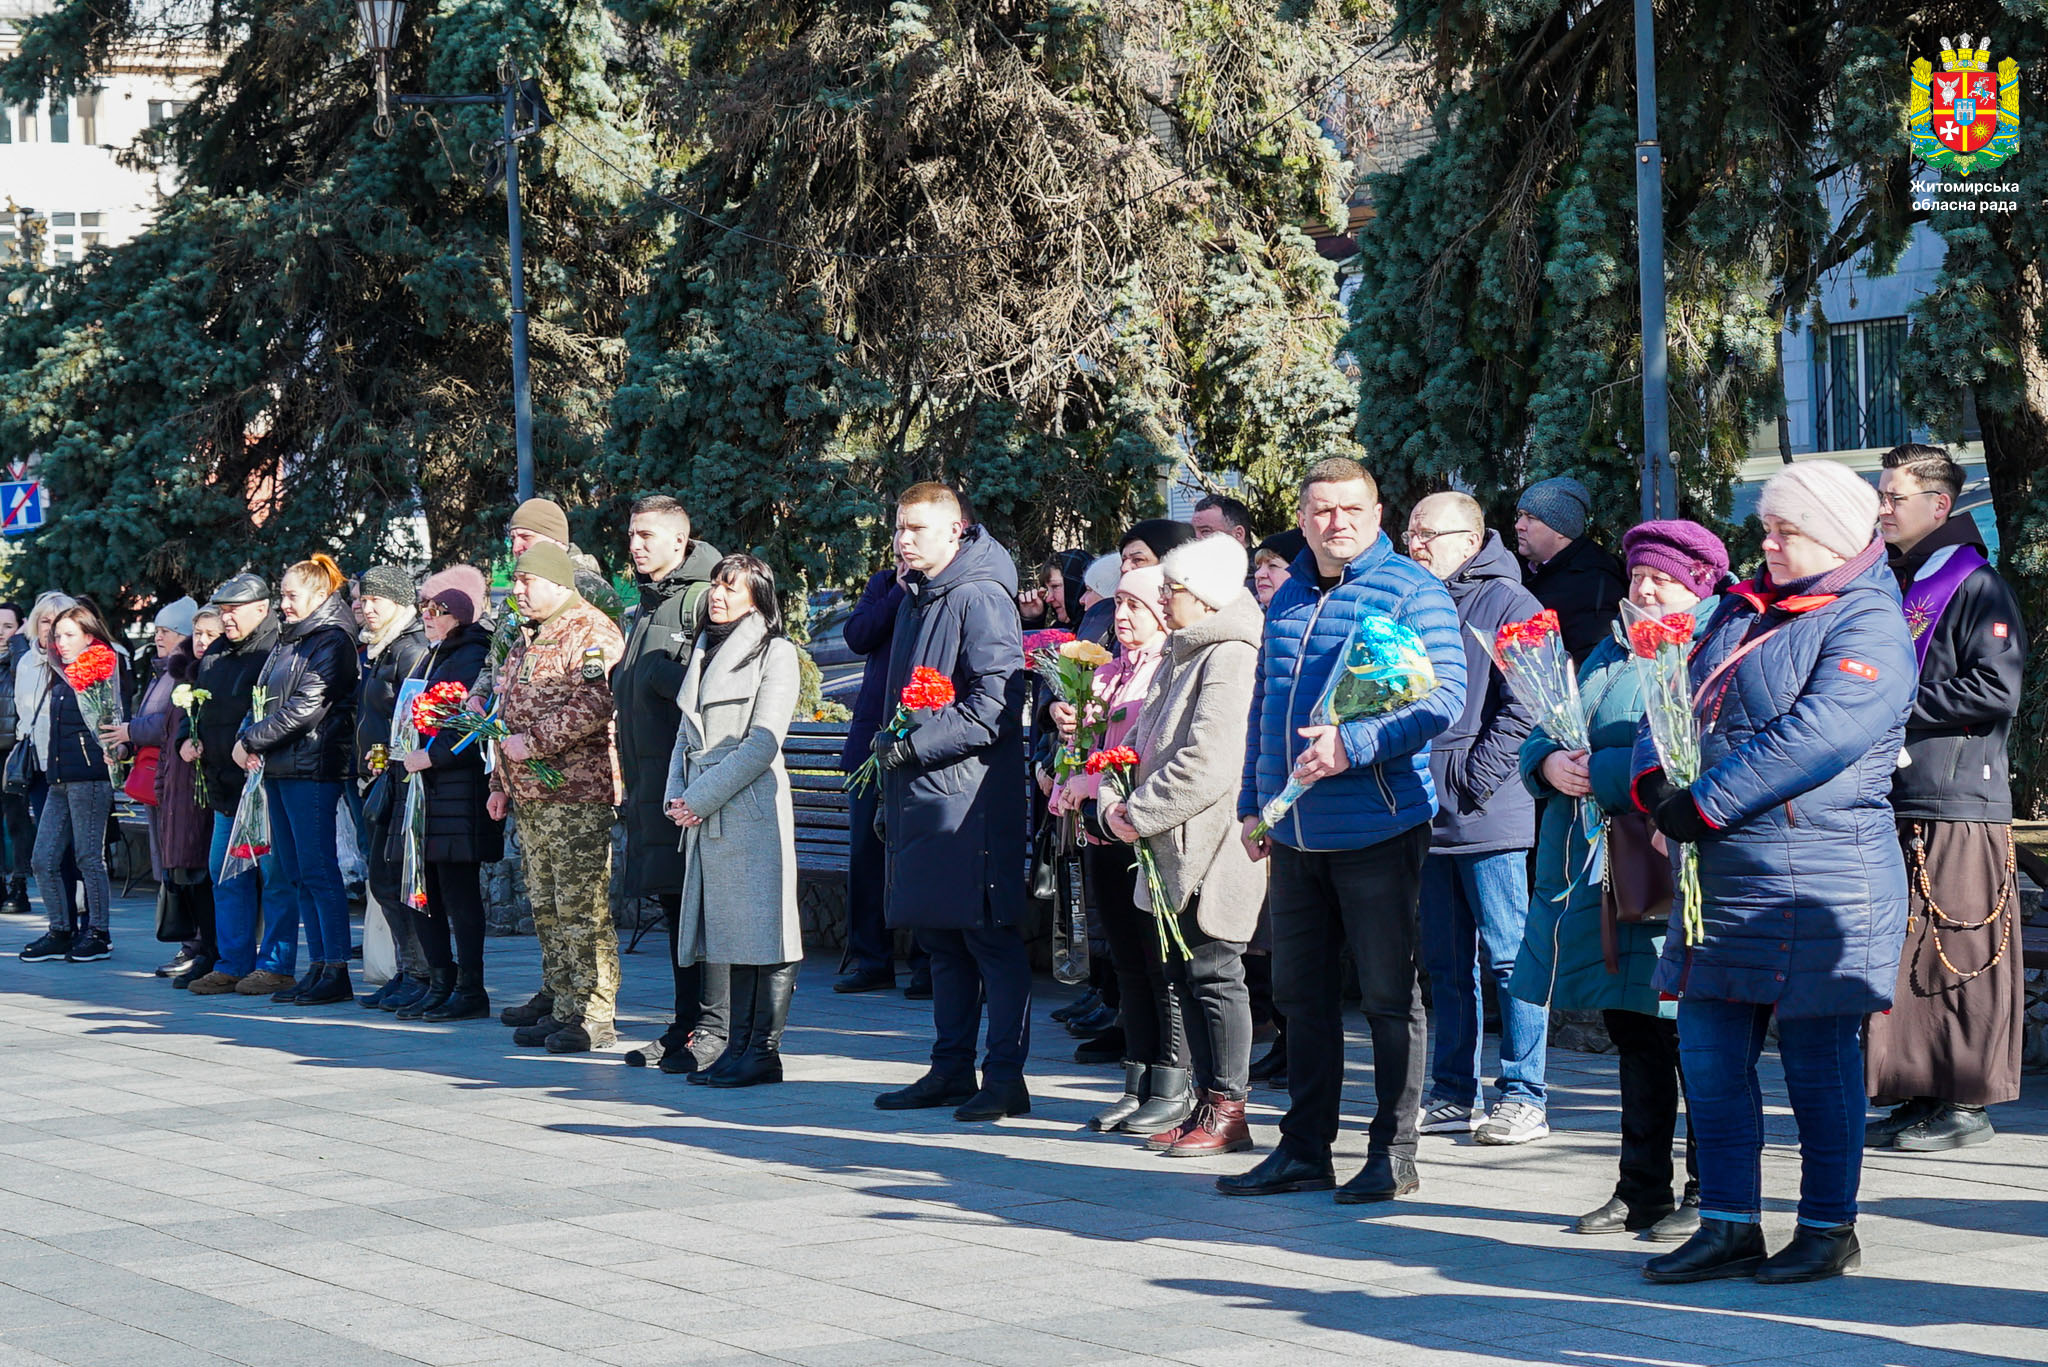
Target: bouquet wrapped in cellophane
{"x": 1068, "y": 669}
{"x": 1662, "y": 650}
{"x": 1384, "y": 667}
{"x": 249, "y": 833}
{"x": 1540, "y": 671}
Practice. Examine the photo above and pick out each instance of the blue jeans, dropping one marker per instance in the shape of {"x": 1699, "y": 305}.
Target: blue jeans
{"x": 302, "y": 812}
{"x": 1718, "y": 1045}
{"x": 1473, "y": 908}
{"x": 238, "y": 905}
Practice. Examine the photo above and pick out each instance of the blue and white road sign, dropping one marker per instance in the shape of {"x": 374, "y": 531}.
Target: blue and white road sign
{"x": 22, "y": 506}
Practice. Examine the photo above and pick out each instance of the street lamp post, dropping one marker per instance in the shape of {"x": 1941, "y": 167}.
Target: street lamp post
{"x": 1659, "y": 477}
{"x": 380, "y": 21}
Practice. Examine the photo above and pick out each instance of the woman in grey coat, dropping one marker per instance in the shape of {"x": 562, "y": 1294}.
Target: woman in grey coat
{"x": 729, "y": 792}
{"x": 1190, "y": 741}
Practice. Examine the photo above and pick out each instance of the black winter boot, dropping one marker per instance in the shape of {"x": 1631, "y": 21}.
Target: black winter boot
{"x": 746, "y": 1006}
{"x": 332, "y": 986}
{"x": 541, "y": 1003}
{"x": 1722, "y": 1248}
{"x": 1126, "y": 1105}
{"x": 440, "y": 986}
{"x": 1170, "y": 1099}
{"x": 1813, "y": 1255}
{"x": 305, "y": 984}
{"x": 774, "y": 988}
{"x": 467, "y": 1002}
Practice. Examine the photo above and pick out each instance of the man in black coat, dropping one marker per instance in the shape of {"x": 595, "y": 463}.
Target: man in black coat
{"x": 1475, "y": 882}
{"x": 1569, "y": 572}
{"x": 673, "y": 573}
{"x": 227, "y": 672}
{"x": 870, "y": 957}
{"x": 1951, "y": 1043}
{"x": 953, "y": 805}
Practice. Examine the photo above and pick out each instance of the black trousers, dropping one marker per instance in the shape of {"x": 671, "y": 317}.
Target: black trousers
{"x": 1651, "y": 1084}
{"x": 1321, "y": 902}
{"x": 1153, "y": 1033}
{"x": 989, "y": 965}
{"x": 1218, "y": 1006}
{"x": 869, "y": 942}
{"x": 452, "y": 929}
{"x": 703, "y": 990}
{"x": 21, "y": 834}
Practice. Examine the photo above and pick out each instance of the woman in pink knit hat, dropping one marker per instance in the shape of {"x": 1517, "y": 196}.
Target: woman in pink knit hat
{"x": 460, "y": 836}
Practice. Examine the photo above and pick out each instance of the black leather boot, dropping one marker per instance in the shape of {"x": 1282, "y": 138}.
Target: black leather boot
{"x": 1947, "y": 1126}
{"x": 774, "y": 988}
{"x": 1169, "y": 1099}
{"x": 1384, "y": 1176}
{"x": 467, "y": 1002}
{"x": 744, "y": 1023}
{"x": 995, "y": 1101}
{"x": 541, "y": 1003}
{"x": 1618, "y": 1216}
{"x": 1881, "y": 1134}
{"x": 1813, "y": 1255}
{"x": 393, "y": 985}
{"x": 1722, "y": 1248}
{"x": 330, "y": 987}
{"x": 304, "y": 984}
{"x": 1121, "y": 1109}
{"x": 929, "y": 1092}
{"x": 1283, "y": 1170}
{"x": 440, "y": 985}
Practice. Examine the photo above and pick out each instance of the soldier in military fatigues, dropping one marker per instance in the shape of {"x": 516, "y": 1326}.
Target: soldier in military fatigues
{"x": 558, "y": 705}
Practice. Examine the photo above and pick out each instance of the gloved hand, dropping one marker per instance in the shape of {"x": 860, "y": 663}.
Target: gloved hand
{"x": 897, "y": 754}
{"x": 1652, "y": 788}
{"x": 1678, "y": 816}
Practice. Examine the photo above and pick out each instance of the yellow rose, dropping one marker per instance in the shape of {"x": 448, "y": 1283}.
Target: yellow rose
{"x": 1085, "y": 653}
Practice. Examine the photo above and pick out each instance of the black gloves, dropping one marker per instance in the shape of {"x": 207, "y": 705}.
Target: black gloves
{"x": 1651, "y": 790}
{"x": 1678, "y": 816}
{"x": 893, "y": 752}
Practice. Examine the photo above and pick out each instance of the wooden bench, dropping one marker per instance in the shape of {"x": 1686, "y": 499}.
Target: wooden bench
{"x": 818, "y": 797}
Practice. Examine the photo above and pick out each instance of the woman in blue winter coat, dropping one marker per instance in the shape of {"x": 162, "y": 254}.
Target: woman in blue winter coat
{"x": 1801, "y": 684}
{"x": 1567, "y": 960}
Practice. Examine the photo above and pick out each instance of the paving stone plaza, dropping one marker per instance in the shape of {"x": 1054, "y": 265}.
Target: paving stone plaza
{"x": 220, "y": 1180}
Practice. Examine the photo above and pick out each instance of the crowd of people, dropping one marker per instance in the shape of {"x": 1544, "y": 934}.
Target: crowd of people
{"x": 1852, "y": 699}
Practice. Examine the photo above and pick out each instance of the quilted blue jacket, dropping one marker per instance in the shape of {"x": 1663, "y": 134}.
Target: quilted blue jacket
{"x": 1387, "y": 789}
{"x": 1803, "y": 888}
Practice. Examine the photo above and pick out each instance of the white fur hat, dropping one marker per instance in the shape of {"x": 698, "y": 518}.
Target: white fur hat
{"x": 1830, "y": 503}
{"x": 1212, "y": 568}
{"x": 1103, "y": 575}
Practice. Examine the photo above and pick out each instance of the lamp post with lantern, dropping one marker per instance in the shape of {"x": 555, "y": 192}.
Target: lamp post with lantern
{"x": 379, "y": 22}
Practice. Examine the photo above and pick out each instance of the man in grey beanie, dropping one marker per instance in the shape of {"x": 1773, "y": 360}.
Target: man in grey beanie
{"x": 1570, "y": 573}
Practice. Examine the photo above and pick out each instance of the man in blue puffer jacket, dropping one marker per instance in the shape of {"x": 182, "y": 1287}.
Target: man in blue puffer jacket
{"x": 1347, "y": 860}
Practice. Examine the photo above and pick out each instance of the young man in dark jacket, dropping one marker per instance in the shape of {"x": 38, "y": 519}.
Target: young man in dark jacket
{"x": 1347, "y": 859}
{"x": 1951, "y": 1043}
{"x": 870, "y": 957}
{"x": 953, "y": 805}
{"x": 1475, "y": 883}
{"x": 1569, "y": 572}
{"x": 673, "y": 573}
{"x": 228, "y": 671}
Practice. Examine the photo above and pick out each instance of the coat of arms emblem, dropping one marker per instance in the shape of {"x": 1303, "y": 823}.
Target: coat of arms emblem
{"x": 1964, "y": 118}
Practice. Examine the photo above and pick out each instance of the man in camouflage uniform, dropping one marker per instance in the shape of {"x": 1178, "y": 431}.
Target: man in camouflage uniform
{"x": 558, "y": 704}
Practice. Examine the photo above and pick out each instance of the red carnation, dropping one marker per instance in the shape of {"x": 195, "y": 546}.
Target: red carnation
{"x": 1678, "y": 628}
{"x": 928, "y": 690}
{"x": 94, "y": 666}
{"x": 1645, "y": 637}
{"x": 435, "y": 706}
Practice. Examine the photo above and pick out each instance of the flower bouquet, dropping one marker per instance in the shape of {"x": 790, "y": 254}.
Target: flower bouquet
{"x": 438, "y": 707}
{"x": 1532, "y": 656}
{"x": 91, "y": 676}
{"x": 1662, "y": 649}
{"x": 1118, "y": 770}
{"x": 1384, "y": 667}
{"x": 489, "y": 727}
{"x": 1068, "y": 669}
{"x": 928, "y": 691}
{"x": 1052, "y": 638}
{"x": 249, "y": 833}
{"x": 189, "y": 700}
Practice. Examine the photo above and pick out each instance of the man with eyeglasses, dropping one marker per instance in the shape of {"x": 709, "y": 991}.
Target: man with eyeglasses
{"x": 1951, "y": 1043}
{"x": 1475, "y": 883}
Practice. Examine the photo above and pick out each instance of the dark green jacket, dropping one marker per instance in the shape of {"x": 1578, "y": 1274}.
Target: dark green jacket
{"x": 644, "y": 686}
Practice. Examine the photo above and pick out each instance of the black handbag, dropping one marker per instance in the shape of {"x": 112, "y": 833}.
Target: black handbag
{"x": 1045, "y": 860}
{"x": 174, "y": 920}
{"x": 381, "y": 800}
{"x": 22, "y": 770}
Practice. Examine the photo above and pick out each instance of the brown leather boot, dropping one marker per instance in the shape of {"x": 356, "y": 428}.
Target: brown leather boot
{"x": 1218, "y": 1127}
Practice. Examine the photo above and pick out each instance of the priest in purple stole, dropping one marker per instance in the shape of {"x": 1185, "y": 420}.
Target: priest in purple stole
{"x": 1950, "y": 1045}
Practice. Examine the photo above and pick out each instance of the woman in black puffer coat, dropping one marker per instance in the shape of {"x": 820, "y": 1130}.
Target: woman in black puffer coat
{"x": 303, "y": 749}
{"x": 459, "y": 835}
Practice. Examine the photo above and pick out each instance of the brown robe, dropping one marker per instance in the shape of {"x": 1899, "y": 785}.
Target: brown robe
{"x": 1951, "y": 1036}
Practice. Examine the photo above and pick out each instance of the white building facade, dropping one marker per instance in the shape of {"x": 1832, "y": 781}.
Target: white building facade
{"x": 60, "y": 159}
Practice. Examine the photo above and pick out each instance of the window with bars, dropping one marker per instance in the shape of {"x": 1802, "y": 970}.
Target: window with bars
{"x": 1857, "y": 402}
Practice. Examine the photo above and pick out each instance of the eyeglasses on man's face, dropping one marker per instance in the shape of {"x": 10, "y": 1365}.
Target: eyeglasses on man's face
{"x": 1422, "y": 536}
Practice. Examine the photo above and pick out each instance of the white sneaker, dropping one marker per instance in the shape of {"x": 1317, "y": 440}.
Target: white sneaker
{"x": 1447, "y": 1117}
{"x": 1513, "y": 1122}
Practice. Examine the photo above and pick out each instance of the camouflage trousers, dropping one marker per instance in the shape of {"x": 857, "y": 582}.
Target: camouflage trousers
{"x": 567, "y": 851}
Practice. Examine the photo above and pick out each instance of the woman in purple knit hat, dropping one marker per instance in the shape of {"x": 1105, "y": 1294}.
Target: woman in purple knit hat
{"x": 1566, "y": 961}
